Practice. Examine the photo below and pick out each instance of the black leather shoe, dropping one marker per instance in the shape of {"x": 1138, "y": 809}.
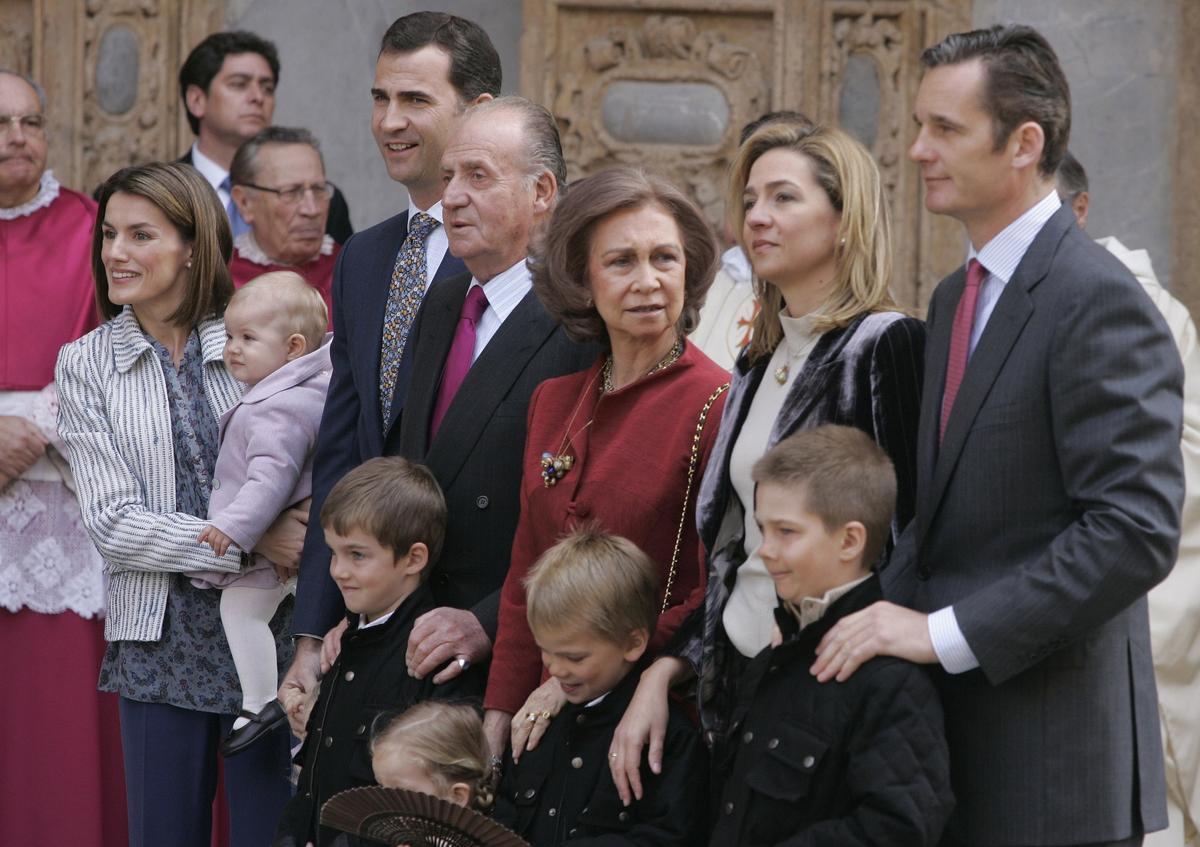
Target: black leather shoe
{"x": 271, "y": 716}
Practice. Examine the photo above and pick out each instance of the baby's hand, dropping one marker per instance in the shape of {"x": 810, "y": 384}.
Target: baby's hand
{"x": 216, "y": 539}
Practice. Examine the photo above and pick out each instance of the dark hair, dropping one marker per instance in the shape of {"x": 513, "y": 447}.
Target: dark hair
{"x": 395, "y": 501}
{"x": 474, "y": 62}
{"x": 192, "y": 207}
{"x": 244, "y": 168}
{"x": 560, "y": 266}
{"x": 1072, "y": 178}
{"x": 1024, "y": 82}
{"x": 845, "y": 476}
{"x": 543, "y": 147}
{"x": 207, "y": 57}
{"x": 799, "y": 120}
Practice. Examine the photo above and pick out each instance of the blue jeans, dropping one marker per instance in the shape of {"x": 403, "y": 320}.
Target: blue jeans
{"x": 171, "y": 777}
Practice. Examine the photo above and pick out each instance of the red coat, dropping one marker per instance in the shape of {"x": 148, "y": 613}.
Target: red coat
{"x": 629, "y": 476}
{"x": 318, "y": 273}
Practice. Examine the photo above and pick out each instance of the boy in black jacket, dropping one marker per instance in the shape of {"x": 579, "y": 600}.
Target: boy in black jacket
{"x": 857, "y": 762}
{"x": 591, "y": 607}
{"x": 384, "y": 521}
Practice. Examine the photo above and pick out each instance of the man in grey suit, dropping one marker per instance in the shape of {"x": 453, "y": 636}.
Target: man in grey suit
{"x": 1049, "y": 477}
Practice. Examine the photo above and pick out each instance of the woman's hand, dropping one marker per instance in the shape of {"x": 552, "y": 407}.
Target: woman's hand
{"x": 283, "y": 541}
{"x": 543, "y": 704}
{"x": 331, "y": 645}
{"x": 645, "y": 720}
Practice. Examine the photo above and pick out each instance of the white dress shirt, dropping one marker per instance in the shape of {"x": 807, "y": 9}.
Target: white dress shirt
{"x": 504, "y": 292}
{"x": 1000, "y": 258}
{"x": 212, "y": 172}
{"x": 436, "y": 243}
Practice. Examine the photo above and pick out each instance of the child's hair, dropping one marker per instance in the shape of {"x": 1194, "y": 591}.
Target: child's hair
{"x": 448, "y": 739}
{"x": 845, "y": 475}
{"x": 297, "y": 304}
{"x": 592, "y": 579}
{"x": 395, "y": 501}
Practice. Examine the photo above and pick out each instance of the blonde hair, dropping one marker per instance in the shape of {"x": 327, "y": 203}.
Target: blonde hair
{"x": 300, "y": 306}
{"x": 447, "y": 739}
{"x": 863, "y": 252}
{"x": 591, "y": 579}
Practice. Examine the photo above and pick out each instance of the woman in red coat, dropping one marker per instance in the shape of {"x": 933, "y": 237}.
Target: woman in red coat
{"x": 626, "y": 263}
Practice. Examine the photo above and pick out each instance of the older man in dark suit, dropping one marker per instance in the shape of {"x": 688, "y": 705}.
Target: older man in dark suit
{"x": 1049, "y": 477}
{"x": 431, "y": 66}
{"x": 480, "y": 346}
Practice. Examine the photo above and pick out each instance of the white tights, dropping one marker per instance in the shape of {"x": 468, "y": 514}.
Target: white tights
{"x": 246, "y": 615}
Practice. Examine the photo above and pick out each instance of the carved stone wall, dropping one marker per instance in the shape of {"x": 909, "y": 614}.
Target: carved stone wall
{"x": 619, "y": 73}
{"x": 109, "y": 68}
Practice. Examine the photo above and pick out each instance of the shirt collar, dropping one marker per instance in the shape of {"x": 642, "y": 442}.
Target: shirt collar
{"x": 811, "y": 609}
{"x": 507, "y": 289}
{"x": 210, "y": 170}
{"x": 247, "y": 247}
{"x": 47, "y": 193}
{"x": 1004, "y": 252}
{"x": 434, "y": 211}
{"x": 129, "y": 343}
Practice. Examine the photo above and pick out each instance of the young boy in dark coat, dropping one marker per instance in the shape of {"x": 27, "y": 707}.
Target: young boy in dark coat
{"x": 591, "y": 608}
{"x": 860, "y": 762}
{"x": 385, "y": 522}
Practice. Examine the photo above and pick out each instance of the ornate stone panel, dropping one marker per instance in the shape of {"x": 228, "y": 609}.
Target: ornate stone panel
{"x": 668, "y": 84}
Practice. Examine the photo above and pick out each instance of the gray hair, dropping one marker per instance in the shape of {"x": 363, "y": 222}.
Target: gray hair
{"x": 245, "y": 161}
{"x": 1072, "y": 179}
{"x": 544, "y": 148}
{"x": 37, "y": 89}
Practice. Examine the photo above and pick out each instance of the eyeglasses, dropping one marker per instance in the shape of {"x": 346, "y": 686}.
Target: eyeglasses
{"x": 322, "y": 191}
{"x": 30, "y": 124}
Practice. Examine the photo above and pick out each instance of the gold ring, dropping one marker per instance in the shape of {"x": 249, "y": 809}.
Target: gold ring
{"x": 612, "y": 755}
{"x": 546, "y": 714}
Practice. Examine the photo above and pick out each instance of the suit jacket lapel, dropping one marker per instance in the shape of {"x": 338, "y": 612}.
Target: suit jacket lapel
{"x": 812, "y": 381}
{"x": 486, "y": 385}
{"x": 438, "y": 323}
{"x": 1004, "y": 327}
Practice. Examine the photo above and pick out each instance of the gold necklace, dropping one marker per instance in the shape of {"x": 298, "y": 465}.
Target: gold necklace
{"x": 781, "y": 372}
{"x": 554, "y": 466}
{"x": 665, "y": 362}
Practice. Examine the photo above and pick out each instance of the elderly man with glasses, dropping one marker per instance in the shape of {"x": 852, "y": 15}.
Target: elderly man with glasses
{"x": 280, "y": 189}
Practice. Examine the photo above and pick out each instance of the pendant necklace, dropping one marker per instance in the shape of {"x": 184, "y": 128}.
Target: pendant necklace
{"x": 665, "y": 362}
{"x": 781, "y": 372}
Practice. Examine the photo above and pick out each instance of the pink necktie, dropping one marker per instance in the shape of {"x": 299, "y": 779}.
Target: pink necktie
{"x": 960, "y": 339}
{"x": 458, "y": 360}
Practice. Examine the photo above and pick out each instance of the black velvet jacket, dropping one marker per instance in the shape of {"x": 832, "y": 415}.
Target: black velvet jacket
{"x": 860, "y": 762}
{"x": 368, "y": 679}
{"x": 562, "y": 792}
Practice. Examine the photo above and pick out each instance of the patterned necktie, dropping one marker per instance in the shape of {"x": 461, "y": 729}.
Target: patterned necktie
{"x": 404, "y": 299}
{"x": 237, "y": 224}
{"x": 960, "y": 340}
{"x": 462, "y": 350}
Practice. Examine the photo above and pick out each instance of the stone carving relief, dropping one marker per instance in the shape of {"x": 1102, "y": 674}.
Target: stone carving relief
{"x": 663, "y": 92}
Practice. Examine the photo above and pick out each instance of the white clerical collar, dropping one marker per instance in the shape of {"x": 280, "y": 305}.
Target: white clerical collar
{"x": 47, "y": 193}
{"x": 1004, "y": 252}
{"x": 247, "y": 247}
{"x": 507, "y": 289}
{"x": 379, "y": 621}
{"x": 434, "y": 211}
{"x": 210, "y": 170}
{"x": 811, "y": 609}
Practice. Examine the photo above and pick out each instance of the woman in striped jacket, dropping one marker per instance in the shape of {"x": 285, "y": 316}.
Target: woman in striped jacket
{"x": 140, "y": 399}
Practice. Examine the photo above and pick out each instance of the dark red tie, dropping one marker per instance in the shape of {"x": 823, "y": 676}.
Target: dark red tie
{"x": 462, "y": 350}
{"x": 960, "y": 339}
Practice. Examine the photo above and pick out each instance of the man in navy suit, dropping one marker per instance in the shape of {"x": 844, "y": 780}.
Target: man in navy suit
{"x": 431, "y": 66}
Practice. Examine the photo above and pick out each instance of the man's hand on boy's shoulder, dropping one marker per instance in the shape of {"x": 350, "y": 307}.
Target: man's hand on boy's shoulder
{"x": 881, "y": 629}
{"x": 446, "y": 638}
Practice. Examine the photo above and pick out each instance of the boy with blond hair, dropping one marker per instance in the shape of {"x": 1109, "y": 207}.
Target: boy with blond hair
{"x": 860, "y": 762}
{"x": 592, "y": 607}
{"x": 385, "y": 522}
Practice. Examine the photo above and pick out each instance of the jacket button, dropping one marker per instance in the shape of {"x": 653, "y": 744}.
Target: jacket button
{"x": 808, "y": 762}
{"x": 773, "y": 743}
{"x": 216, "y": 486}
{"x": 444, "y": 579}
{"x": 748, "y": 737}
{"x": 552, "y": 812}
{"x": 362, "y": 729}
{"x": 577, "y": 763}
{"x": 529, "y": 793}
{"x": 329, "y": 741}
{"x": 923, "y": 572}
{"x": 573, "y": 831}
{"x": 729, "y": 808}
{"x": 581, "y": 718}
{"x": 349, "y": 677}
{"x": 482, "y": 501}
{"x": 623, "y": 816}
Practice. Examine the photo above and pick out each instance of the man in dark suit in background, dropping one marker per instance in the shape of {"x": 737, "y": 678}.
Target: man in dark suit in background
{"x": 1049, "y": 477}
{"x": 228, "y": 85}
{"x": 431, "y": 66}
{"x": 480, "y": 346}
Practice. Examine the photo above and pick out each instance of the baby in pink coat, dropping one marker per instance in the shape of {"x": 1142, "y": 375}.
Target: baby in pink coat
{"x": 275, "y": 344}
